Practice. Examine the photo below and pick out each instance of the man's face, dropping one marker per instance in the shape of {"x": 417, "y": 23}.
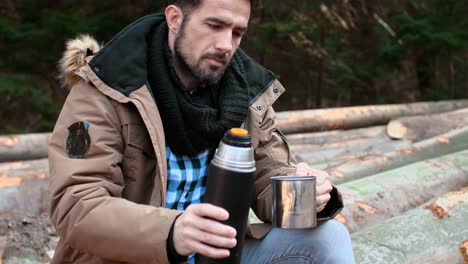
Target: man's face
{"x": 210, "y": 36}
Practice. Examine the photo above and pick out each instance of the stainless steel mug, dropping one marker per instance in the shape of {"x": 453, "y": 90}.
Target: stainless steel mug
{"x": 293, "y": 201}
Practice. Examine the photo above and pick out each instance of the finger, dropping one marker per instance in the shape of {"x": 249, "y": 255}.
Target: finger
{"x": 211, "y": 239}
{"x": 213, "y": 227}
{"x": 302, "y": 169}
{"x": 209, "y": 210}
{"x": 322, "y": 199}
{"x": 320, "y": 208}
{"x": 323, "y": 189}
{"x": 321, "y": 176}
{"x": 211, "y": 252}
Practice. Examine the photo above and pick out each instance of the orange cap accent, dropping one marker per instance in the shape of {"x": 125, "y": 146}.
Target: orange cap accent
{"x": 239, "y": 132}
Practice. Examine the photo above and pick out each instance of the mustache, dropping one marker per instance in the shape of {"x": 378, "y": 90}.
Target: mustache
{"x": 219, "y": 56}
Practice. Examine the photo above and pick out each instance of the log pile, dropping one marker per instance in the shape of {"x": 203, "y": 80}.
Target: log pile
{"x": 431, "y": 233}
{"x": 405, "y": 195}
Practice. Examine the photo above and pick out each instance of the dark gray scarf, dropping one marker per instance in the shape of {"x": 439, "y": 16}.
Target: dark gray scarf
{"x": 193, "y": 124}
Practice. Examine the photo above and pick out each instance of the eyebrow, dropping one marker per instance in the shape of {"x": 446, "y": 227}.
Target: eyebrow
{"x": 223, "y": 22}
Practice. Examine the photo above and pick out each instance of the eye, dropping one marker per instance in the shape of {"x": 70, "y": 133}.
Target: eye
{"x": 237, "y": 33}
{"x": 214, "y": 26}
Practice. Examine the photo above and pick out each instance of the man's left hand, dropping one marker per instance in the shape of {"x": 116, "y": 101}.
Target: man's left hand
{"x": 323, "y": 184}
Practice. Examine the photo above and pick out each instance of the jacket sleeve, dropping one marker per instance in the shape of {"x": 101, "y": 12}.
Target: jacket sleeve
{"x": 273, "y": 158}
{"x": 87, "y": 208}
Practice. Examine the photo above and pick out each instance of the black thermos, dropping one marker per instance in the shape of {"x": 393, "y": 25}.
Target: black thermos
{"x": 229, "y": 185}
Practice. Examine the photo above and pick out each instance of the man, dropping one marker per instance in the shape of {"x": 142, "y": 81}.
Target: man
{"x": 130, "y": 150}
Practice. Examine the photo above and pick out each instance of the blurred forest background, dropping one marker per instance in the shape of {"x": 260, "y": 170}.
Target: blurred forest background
{"x": 326, "y": 53}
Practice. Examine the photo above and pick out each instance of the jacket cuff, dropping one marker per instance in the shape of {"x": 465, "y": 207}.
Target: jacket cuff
{"x": 333, "y": 207}
{"x": 172, "y": 254}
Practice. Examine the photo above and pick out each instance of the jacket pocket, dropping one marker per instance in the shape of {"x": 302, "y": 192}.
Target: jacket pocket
{"x": 139, "y": 164}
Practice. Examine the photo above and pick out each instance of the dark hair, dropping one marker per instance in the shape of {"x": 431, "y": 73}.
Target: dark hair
{"x": 189, "y": 5}
{"x": 185, "y": 5}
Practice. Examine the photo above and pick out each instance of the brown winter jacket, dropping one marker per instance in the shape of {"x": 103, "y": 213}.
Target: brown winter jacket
{"x": 108, "y": 206}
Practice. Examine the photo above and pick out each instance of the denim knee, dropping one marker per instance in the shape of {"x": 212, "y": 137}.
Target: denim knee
{"x": 335, "y": 246}
{"x": 329, "y": 242}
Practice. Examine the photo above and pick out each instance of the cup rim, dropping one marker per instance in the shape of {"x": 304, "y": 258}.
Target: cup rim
{"x": 293, "y": 178}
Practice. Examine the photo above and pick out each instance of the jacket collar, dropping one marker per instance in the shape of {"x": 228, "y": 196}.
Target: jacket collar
{"x": 122, "y": 63}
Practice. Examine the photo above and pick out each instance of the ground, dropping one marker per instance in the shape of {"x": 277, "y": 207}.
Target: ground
{"x": 26, "y": 239}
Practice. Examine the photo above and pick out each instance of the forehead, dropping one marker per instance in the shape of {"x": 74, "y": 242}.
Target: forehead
{"x": 232, "y": 11}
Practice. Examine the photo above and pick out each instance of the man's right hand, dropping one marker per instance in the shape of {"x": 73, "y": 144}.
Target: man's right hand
{"x": 197, "y": 231}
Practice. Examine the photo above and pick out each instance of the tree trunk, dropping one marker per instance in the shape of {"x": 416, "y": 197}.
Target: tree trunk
{"x": 348, "y": 150}
{"x": 327, "y": 137}
{"x": 417, "y": 128}
{"x": 358, "y": 116}
{"x": 453, "y": 141}
{"x": 24, "y": 187}
{"x": 427, "y": 234}
{"x": 373, "y": 199}
{"x": 23, "y": 147}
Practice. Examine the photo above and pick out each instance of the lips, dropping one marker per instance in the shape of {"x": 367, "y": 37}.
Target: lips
{"x": 218, "y": 61}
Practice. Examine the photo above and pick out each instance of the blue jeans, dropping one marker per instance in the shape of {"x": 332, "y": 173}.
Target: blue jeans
{"x": 330, "y": 242}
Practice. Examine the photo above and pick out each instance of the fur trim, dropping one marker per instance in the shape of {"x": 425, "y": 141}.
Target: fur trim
{"x": 74, "y": 58}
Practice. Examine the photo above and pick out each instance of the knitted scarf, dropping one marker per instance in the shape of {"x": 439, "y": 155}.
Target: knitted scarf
{"x": 193, "y": 125}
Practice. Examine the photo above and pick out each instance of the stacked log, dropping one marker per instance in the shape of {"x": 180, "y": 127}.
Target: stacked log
{"x": 349, "y": 151}
{"x": 334, "y": 136}
{"x": 23, "y": 147}
{"x": 358, "y": 116}
{"x": 450, "y": 142}
{"x": 428, "y": 234}
{"x": 382, "y": 180}
{"x": 376, "y": 198}
{"x": 417, "y": 128}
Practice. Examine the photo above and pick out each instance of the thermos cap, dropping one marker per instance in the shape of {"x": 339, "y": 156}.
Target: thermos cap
{"x": 239, "y": 132}
{"x": 238, "y": 137}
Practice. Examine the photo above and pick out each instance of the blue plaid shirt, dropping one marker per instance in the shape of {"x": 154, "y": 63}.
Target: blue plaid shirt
{"x": 186, "y": 181}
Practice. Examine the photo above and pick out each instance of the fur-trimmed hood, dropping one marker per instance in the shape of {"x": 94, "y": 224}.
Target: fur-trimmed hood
{"x": 74, "y": 58}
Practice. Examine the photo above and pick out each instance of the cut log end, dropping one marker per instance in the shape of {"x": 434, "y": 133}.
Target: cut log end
{"x": 396, "y": 130}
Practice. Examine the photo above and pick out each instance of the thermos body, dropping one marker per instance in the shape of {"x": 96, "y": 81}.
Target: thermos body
{"x": 230, "y": 184}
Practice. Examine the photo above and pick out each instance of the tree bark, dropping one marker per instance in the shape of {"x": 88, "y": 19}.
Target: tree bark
{"x": 452, "y": 141}
{"x": 23, "y": 147}
{"x": 348, "y": 150}
{"x": 373, "y": 199}
{"x": 327, "y": 137}
{"x": 427, "y": 234}
{"x": 358, "y": 116}
{"x": 417, "y": 128}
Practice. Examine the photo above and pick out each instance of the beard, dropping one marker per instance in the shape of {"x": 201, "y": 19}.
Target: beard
{"x": 210, "y": 75}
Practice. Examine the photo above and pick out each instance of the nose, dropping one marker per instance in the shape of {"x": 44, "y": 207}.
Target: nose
{"x": 224, "y": 43}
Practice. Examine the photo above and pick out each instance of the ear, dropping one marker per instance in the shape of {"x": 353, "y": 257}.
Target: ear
{"x": 174, "y": 17}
